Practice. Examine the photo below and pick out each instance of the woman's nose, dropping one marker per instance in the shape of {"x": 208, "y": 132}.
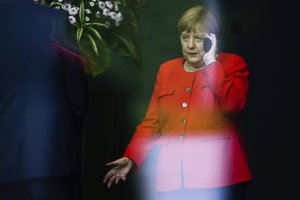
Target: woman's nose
{"x": 191, "y": 44}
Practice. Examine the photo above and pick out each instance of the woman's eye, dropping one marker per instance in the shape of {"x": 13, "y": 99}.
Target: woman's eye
{"x": 185, "y": 39}
{"x": 199, "y": 39}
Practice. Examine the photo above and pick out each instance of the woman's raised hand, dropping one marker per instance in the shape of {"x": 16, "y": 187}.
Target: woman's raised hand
{"x": 120, "y": 169}
{"x": 210, "y": 56}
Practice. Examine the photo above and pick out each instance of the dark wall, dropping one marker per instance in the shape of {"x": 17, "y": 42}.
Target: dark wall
{"x": 264, "y": 33}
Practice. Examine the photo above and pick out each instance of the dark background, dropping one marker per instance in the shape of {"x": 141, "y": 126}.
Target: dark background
{"x": 265, "y": 34}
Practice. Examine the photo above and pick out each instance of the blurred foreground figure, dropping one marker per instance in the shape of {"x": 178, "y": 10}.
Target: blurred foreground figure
{"x": 42, "y": 107}
{"x": 192, "y": 118}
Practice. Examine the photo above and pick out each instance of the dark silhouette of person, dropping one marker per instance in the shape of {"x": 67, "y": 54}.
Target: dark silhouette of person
{"x": 42, "y": 106}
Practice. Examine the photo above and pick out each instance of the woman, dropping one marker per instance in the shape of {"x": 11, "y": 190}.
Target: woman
{"x": 192, "y": 117}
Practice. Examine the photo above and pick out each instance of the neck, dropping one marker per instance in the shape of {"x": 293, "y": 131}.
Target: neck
{"x": 189, "y": 68}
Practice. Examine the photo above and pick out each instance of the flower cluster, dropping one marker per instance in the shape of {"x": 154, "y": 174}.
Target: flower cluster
{"x": 99, "y": 28}
{"x": 106, "y": 11}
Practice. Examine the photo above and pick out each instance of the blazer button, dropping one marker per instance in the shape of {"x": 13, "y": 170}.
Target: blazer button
{"x": 181, "y": 136}
{"x": 183, "y": 121}
{"x": 184, "y": 104}
{"x": 188, "y": 90}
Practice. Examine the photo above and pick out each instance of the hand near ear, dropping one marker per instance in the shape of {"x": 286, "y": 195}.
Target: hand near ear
{"x": 210, "y": 56}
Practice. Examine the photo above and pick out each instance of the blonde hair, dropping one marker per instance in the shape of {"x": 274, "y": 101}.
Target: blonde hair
{"x": 198, "y": 17}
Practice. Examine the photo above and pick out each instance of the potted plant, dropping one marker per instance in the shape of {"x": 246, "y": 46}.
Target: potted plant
{"x": 101, "y": 27}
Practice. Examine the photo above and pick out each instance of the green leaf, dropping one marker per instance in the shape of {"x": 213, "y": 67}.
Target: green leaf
{"x": 54, "y": 3}
{"x": 121, "y": 51}
{"x": 81, "y": 12}
{"x": 95, "y": 64}
{"x": 113, "y": 44}
{"x": 79, "y": 34}
{"x": 96, "y": 33}
{"x": 93, "y": 43}
{"x": 129, "y": 46}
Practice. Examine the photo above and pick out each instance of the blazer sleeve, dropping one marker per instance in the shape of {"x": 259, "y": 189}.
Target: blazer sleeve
{"x": 228, "y": 80}
{"x": 148, "y": 131}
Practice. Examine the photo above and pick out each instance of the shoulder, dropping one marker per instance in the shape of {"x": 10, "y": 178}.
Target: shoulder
{"x": 171, "y": 64}
{"x": 225, "y": 58}
{"x": 175, "y": 61}
{"x": 232, "y": 62}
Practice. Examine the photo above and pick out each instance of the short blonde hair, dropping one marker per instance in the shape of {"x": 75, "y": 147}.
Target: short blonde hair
{"x": 198, "y": 17}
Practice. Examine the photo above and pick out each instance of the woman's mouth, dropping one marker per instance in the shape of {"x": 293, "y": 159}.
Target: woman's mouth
{"x": 192, "y": 54}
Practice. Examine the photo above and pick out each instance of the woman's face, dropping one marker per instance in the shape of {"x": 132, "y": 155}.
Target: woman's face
{"x": 192, "y": 47}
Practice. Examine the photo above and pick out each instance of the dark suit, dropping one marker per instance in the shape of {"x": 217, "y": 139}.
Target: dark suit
{"x": 42, "y": 97}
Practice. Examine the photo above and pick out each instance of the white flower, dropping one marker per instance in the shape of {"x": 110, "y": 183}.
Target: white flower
{"x": 72, "y": 19}
{"x": 107, "y": 24}
{"x": 60, "y": 0}
{"x": 109, "y": 4}
{"x": 94, "y": 0}
{"x": 118, "y": 22}
{"x": 77, "y": 8}
{"x": 57, "y": 8}
{"x": 101, "y": 5}
{"x": 88, "y": 11}
{"x": 43, "y": 2}
{"x": 73, "y": 11}
{"x": 116, "y": 16}
{"x": 66, "y": 7}
{"x": 119, "y": 16}
{"x": 117, "y": 5}
{"x": 113, "y": 15}
{"x": 92, "y": 4}
{"x": 106, "y": 12}
{"x": 98, "y": 14}
{"x": 87, "y": 19}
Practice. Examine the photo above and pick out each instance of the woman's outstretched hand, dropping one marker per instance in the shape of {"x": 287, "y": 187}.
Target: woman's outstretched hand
{"x": 120, "y": 169}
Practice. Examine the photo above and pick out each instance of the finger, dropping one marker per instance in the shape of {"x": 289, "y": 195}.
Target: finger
{"x": 117, "y": 179}
{"x": 108, "y": 175}
{"x": 214, "y": 39}
{"x": 111, "y": 180}
{"x": 122, "y": 176}
{"x": 208, "y": 35}
{"x": 111, "y": 163}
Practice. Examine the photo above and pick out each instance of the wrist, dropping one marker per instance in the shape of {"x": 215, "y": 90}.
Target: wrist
{"x": 209, "y": 62}
{"x": 128, "y": 160}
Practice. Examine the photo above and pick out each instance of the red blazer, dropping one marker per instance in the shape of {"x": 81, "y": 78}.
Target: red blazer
{"x": 192, "y": 116}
